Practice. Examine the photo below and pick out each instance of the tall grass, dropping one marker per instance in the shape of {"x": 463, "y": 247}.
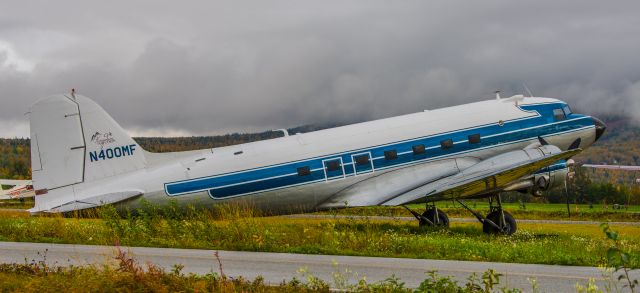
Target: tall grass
{"x": 230, "y": 227}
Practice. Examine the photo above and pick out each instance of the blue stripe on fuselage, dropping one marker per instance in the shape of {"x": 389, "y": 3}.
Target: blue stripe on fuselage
{"x": 285, "y": 175}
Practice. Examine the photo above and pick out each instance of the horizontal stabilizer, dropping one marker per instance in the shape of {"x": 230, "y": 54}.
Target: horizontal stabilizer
{"x": 92, "y": 202}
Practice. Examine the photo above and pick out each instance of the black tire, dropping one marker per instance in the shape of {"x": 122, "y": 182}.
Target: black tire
{"x": 510, "y": 224}
{"x": 441, "y": 221}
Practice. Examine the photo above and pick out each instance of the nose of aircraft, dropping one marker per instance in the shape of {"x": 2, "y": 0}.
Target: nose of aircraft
{"x": 600, "y": 127}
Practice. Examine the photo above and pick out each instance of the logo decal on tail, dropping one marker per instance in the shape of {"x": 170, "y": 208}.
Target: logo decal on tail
{"x": 102, "y": 139}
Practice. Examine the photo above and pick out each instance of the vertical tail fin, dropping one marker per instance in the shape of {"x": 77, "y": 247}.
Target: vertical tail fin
{"x": 73, "y": 141}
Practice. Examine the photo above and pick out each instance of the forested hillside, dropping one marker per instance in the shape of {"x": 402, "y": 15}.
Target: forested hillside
{"x": 619, "y": 145}
{"x": 15, "y": 158}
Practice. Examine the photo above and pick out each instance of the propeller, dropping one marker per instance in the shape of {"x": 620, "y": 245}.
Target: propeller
{"x": 575, "y": 144}
{"x": 571, "y": 172}
{"x": 542, "y": 141}
{"x": 566, "y": 196}
{"x": 570, "y": 175}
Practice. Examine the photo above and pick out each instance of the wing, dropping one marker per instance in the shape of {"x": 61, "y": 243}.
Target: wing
{"x": 448, "y": 178}
{"x": 612, "y": 167}
{"x": 488, "y": 176}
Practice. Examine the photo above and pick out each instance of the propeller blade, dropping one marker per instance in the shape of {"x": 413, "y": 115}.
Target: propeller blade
{"x": 575, "y": 144}
{"x": 566, "y": 196}
{"x": 542, "y": 141}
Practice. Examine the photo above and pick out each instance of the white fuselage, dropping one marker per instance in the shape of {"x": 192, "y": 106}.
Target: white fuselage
{"x": 356, "y": 165}
{"x": 232, "y": 165}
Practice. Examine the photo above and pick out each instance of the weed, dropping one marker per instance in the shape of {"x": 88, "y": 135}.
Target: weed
{"x": 217, "y": 255}
{"x": 591, "y": 287}
{"x": 313, "y": 283}
{"x": 434, "y": 283}
{"x": 618, "y": 257}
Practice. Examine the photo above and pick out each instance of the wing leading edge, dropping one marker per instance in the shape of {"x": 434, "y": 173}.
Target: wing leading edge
{"x": 486, "y": 177}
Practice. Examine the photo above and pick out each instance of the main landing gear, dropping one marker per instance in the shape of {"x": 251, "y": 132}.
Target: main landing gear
{"x": 498, "y": 221}
{"x": 432, "y": 216}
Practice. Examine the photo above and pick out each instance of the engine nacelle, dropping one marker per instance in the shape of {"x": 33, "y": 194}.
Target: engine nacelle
{"x": 544, "y": 179}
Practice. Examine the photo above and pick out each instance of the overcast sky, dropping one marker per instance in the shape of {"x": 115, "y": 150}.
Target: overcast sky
{"x": 196, "y": 68}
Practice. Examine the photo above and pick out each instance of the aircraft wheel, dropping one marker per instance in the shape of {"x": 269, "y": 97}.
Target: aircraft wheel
{"x": 441, "y": 221}
{"x": 510, "y": 226}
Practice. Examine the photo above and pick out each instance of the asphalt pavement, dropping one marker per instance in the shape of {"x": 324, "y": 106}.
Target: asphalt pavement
{"x": 276, "y": 267}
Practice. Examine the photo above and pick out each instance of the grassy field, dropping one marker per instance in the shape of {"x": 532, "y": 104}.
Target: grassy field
{"x": 236, "y": 229}
{"x": 531, "y": 211}
{"x": 27, "y": 203}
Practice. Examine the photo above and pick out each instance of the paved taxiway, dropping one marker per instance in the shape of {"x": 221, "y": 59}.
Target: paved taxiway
{"x": 275, "y": 267}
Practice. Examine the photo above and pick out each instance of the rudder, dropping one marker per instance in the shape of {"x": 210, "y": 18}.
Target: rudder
{"x": 73, "y": 141}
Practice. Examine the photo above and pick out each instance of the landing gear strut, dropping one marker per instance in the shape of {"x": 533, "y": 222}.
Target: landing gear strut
{"x": 432, "y": 216}
{"x": 497, "y": 221}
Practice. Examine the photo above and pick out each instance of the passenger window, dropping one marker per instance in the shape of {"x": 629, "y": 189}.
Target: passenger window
{"x": 362, "y": 160}
{"x": 333, "y": 165}
{"x": 304, "y": 171}
{"x": 474, "y": 138}
{"x": 446, "y": 144}
{"x": 558, "y": 114}
{"x": 418, "y": 149}
{"x": 390, "y": 155}
{"x": 567, "y": 110}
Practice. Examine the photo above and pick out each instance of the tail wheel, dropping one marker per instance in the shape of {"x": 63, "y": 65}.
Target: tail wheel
{"x": 508, "y": 227}
{"x": 440, "y": 220}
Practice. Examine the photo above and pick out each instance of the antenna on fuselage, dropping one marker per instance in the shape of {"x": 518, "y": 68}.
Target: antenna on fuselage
{"x": 284, "y": 131}
{"x": 527, "y": 89}
{"x": 497, "y": 95}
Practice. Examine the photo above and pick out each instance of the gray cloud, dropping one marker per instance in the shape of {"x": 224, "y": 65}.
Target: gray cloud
{"x": 168, "y": 68}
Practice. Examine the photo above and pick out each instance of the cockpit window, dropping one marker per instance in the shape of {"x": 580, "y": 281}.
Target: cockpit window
{"x": 558, "y": 114}
{"x": 567, "y": 110}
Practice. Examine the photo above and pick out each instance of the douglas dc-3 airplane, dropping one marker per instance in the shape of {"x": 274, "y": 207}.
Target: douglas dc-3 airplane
{"x": 81, "y": 158}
